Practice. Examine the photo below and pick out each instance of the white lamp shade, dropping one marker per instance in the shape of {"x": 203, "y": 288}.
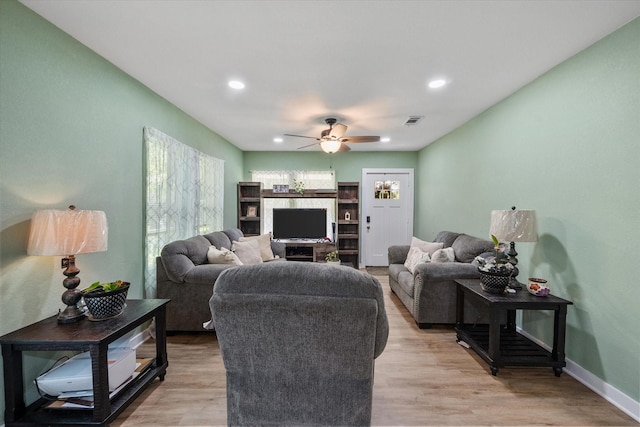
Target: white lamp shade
{"x": 514, "y": 225}
{"x": 70, "y": 232}
{"x": 330, "y": 146}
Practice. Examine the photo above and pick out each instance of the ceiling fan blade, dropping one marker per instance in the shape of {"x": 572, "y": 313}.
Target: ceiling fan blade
{"x": 310, "y": 145}
{"x": 344, "y": 147}
{"x": 302, "y": 136}
{"x": 351, "y": 139}
{"x": 338, "y": 130}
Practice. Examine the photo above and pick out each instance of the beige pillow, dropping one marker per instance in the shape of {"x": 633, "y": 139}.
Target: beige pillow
{"x": 415, "y": 257}
{"x": 429, "y": 247}
{"x": 443, "y": 255}
{"x": 264, "y": 243}
{"x": 248, "y": 252}
{"x": 222, "y": 256}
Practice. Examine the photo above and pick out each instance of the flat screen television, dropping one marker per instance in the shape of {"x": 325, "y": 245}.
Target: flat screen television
{"x": 299, "y": 223}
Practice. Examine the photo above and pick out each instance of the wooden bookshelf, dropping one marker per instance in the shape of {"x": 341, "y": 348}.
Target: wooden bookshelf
{"x": 348, "y": 232}
{"x": 249, "y": 208}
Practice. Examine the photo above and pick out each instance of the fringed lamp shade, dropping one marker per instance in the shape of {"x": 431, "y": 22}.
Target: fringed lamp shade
{"x": 68, "y": 233}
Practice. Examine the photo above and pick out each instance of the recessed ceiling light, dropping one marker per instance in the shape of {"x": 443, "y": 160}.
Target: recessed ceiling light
{"x": 385, "y": 139}
{"x": 277, "y": 139}
{"x": 434, "y": 84}
{"x": 236, "y": 84}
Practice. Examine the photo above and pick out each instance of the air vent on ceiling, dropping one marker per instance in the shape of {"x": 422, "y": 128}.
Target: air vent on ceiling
{"x": 413, "y": 120}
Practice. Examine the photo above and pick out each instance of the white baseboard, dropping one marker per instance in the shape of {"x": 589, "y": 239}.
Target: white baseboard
{"x": 609, "y": 393}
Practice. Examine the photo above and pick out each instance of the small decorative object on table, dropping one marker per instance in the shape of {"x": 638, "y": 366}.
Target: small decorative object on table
{"x": 495, "y": 272}
{"x": 538, "y": 287}
{"x": 332, "y": 258}
{"x": 105, "y": 300}
{"x": 298, "y": 186}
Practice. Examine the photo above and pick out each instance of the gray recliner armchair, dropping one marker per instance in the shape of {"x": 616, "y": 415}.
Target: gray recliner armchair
{"x": 298, "y": 341}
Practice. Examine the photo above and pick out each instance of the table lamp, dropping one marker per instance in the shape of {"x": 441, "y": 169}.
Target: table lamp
{"x": 68, "y": 233}
{"x": 514, "y": 226}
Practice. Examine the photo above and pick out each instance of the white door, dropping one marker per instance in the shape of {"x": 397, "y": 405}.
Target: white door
{"x": 387, "y": 212}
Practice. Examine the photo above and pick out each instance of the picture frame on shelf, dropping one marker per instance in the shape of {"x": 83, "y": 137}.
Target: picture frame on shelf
{"x": 280, "y": 188}
{"x": 252, "y": 211}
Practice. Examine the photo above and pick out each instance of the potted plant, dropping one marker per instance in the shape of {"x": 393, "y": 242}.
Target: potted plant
{"x": 298, "y": 186}
{"x": 105, "y": 300}
{"x": 495, "y": 271}
{"x": 332, "y": 258}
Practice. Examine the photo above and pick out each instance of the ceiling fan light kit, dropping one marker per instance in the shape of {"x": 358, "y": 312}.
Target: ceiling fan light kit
{"x": 330, "y": 146}
{"x": 333, "y": 140}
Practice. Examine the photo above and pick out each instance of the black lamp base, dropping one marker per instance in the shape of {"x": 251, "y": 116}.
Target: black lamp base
{"x": 71, "y": 315}
{"x": 72, "y": 296}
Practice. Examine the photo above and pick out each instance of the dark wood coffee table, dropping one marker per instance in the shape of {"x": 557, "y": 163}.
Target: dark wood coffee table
{"x": 501, "y": 344}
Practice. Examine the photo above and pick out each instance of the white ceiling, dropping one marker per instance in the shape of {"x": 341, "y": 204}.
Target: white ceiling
{"x": 365, "y": 62}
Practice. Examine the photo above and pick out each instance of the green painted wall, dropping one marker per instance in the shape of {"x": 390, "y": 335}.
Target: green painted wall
{"x": 568, "y": 146}
{"x": 71, "y": 133}
{"x": 348, "y": 166}
{"x": 565, "y": 145}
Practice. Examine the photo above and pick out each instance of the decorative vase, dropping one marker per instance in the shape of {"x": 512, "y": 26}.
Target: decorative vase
{"x": 333, "y": 262}
{"x": 538, "y": 287}
{"x": 494, "y": 283}
{"x": 105, "y": 305}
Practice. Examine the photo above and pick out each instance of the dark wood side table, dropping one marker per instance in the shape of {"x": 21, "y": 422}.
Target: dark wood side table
{"x": 500, "y": 344}
{"x": 95, "y": 337}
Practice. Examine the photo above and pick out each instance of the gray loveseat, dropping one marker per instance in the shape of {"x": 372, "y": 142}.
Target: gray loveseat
{"x": 184, "y": 276}
{"x": 430, "y": 293}
{"x": 298, "y": 341}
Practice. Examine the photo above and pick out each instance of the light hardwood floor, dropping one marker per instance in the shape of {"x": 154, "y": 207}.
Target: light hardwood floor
{"x": 423, "y": 378}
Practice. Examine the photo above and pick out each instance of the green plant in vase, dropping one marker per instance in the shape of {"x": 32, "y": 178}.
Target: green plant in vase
{"x": 332, "y": 257}
{"x": 298, "y": 186}
{"x": 105, "y": 300}
{"x": 495, "y": 271}
{"x": 103, "y": 288}
{"x": 498, "y": 264}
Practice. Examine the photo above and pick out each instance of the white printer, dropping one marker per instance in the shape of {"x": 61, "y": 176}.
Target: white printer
{"x": 75, "y": 374}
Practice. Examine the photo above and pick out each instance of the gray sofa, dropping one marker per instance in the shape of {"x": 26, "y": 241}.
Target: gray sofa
{"x": 430, "y": 293}
{"x": 298, "y": 341}
{"x": 184, "y": 276}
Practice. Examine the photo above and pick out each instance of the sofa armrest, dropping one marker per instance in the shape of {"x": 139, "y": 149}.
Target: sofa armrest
{"x": 446, "y": 271}
{"x": 397, "y": 254}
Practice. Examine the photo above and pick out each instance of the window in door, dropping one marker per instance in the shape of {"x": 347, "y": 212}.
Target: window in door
{"x": 387, "y": 190}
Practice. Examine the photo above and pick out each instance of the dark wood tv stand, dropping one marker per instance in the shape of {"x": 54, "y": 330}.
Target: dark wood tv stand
{"x": 307, "y": 250}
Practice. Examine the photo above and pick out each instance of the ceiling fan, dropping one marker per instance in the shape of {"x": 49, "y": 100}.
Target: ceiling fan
{"x": 333, "y": 140}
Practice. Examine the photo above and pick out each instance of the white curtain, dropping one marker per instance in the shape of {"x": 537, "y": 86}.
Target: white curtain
{"x": 185, "y": 194}
{"x": 312, "y": 180}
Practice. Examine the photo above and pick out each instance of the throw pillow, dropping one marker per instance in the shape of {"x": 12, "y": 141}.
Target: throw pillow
{"x": 415, "y": 257}
{"x": 264, "y": 243}
{"x": 222, "y": 256}
{"x": 443, "y": 255}
{"x": 429, "y": 247}
{"x": 248, "y": 252}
